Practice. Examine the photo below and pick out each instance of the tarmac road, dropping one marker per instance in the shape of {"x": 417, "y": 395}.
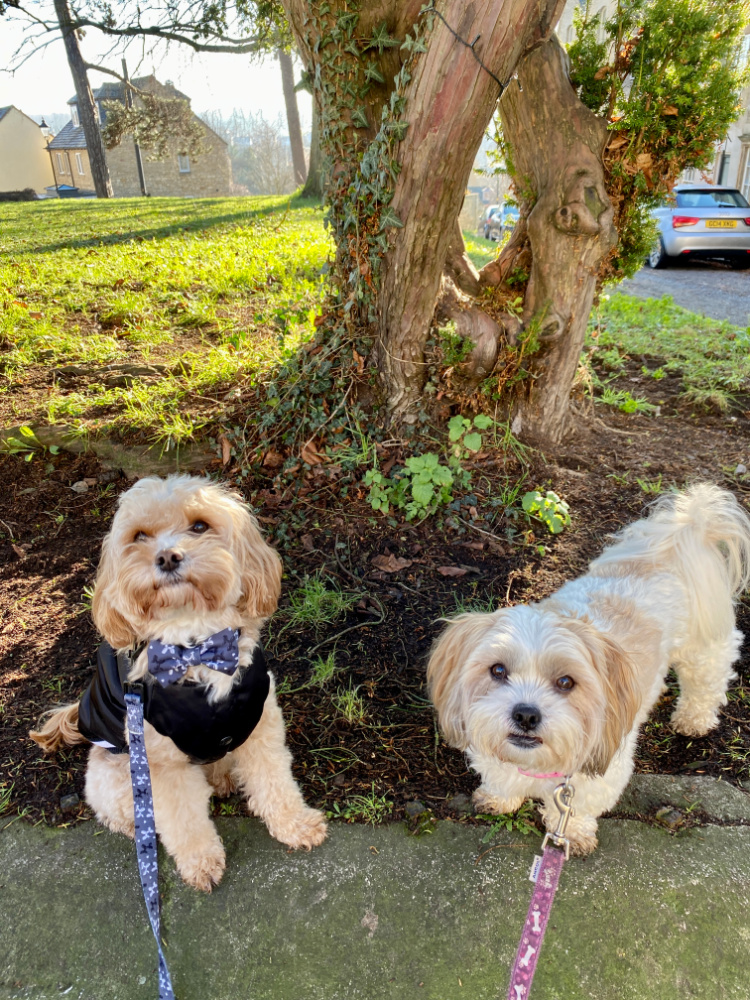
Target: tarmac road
{"x": 708, "y": 289}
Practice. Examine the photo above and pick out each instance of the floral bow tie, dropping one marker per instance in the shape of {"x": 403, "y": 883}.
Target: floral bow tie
{"x": 168, "y": 663}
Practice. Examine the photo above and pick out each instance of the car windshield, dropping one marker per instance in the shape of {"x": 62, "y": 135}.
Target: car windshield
{"x": 511, "y": 211}
{"x": 710, "y": 199}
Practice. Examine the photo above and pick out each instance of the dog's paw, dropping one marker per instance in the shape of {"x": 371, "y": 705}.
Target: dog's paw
{"x": 203, "y": 871}
{"x": 303, "y": 828}
{"x": 484, "y": 802}
{"x": 691, "y": 721}
{"x": 582, "y": 843}
{"x": 223, "y": 784}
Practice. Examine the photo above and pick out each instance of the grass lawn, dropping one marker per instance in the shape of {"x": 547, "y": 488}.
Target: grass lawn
{"x": 142, "y": 314}
{"x": 155, "y": 318}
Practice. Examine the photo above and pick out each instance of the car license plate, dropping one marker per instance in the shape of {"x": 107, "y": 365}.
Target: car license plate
{"x": 721, "y": 223}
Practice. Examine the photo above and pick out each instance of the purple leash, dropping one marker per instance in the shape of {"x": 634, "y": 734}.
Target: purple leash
{"x": 547, "y": 877}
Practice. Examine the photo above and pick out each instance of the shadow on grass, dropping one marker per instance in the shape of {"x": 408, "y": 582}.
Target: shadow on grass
{"x": 188, "y": 218}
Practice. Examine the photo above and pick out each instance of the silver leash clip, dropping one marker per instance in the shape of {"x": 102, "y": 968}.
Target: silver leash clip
{"x": 563, "y": 796}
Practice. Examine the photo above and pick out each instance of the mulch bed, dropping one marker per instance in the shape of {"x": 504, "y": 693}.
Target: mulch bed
{"x": 49, "y": 544}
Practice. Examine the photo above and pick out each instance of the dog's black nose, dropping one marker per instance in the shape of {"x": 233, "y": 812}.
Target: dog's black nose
{"x": 168, "y": 560}
{"x": 527, "y": 717}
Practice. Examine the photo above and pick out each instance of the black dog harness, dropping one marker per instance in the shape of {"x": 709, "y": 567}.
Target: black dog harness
{"x": 203, "y": 731}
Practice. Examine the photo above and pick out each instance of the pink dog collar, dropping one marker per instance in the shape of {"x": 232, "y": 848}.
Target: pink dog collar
{"x": 530, "y": 774}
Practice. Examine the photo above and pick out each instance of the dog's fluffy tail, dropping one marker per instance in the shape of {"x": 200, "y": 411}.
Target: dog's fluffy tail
{"x": 59, "y": 730}
{"x": 703, "y": 534}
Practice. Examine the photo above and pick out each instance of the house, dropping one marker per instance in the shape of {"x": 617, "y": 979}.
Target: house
{"x": 24, "y": 160}
{"x": 177, "y": 174}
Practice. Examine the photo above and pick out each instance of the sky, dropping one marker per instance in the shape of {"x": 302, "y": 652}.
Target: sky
{"x": 43, "y": 84}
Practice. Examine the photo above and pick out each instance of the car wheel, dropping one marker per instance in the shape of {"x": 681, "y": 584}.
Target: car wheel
{"x": 740, "y": 263}
{"x": 658, "y": 256}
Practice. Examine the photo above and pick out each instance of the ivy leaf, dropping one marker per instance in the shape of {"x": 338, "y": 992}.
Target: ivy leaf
{"x": 482, "y": 421}
{"x": 359, "y": 118}
{"x": 373, "y": 73}
{"x": 388, "y": 218}
{"x": 398, "y": 130}
{"x": 382, "y": 40}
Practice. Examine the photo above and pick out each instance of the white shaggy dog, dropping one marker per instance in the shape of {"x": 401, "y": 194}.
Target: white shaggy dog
{"x": 561, "y": 687}
{"x": 183, "y": 561}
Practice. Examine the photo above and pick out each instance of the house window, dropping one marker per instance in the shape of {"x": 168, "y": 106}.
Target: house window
{"x": 74, "y": 115}
{"x": 183, "y": 163}
{"x": 724, "y": 169}
{"x": 60, "y": 164}
{"x": 79, "y": 163}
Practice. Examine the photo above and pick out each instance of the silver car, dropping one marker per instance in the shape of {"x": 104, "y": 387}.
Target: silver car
{"x": 706, "y": 222}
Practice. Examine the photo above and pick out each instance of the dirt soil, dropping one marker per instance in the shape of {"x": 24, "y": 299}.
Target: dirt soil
{"x": 50, "y": 537}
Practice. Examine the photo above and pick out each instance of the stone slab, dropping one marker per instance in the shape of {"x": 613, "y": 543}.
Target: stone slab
{"x": 376, "y": 913}
{"x": 720, "y": 800}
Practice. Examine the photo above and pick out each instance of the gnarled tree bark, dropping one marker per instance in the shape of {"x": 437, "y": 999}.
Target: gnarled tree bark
{"x": 556, "y": 145}
{"x": 449, "y": 103}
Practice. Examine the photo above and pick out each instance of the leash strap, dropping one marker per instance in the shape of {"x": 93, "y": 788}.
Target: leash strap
{"x": 532, "y": 935}
{"x": 555, "y": 850}
{"x": 145, "y": 831}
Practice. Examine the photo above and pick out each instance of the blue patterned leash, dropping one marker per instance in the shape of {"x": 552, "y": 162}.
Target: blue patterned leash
{"x": 145, "y": 829}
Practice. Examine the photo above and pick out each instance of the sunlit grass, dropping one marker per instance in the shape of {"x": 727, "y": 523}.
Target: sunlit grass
{"x": 217, "y": 290}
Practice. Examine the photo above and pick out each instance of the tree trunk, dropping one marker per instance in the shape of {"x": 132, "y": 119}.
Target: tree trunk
{"x": 292, "y": 116}
{"x": 86, "y": 106}
{"x": 556, "y": 146}
{"x": 313, "y": 185}
{"x": 450, "y": 101}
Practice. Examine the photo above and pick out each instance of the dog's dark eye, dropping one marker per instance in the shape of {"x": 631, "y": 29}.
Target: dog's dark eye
{"x": 139, "y": 536}
{"x": 565, "y": 683}
{"x": 198, "y": 527}
{"x": 499, "y": 671}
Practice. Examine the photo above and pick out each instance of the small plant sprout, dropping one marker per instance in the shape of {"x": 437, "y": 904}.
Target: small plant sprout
{"x": 549, "y": 509}
{"x": 26, "y": 444}
{"x": 348, "y": 702}
{"x": 425, "y": 483}
{"x": 370, "y": 808}
{"x": 323, "y": 670}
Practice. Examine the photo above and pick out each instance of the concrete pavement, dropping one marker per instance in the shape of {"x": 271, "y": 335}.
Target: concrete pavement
{"x": 377, "y": 913}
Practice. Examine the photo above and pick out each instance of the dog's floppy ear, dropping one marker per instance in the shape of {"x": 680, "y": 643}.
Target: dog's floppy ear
{"x": 108, "y": 620}
{"x": 260, "y": 566}
{"x": 622, "y": 694}
{"x": 448, "y": 684}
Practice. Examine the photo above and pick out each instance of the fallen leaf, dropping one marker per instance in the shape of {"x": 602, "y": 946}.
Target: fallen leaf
{"x": 310, "y": 454}
{"x": 618, "y": 142}
{"x": 119, "y": 283}
{"x": 226, "y": 450}
{"x": 360, "y": 361}
{"x": 452, "y": 571}
{"x": 308, "y": 544}
{"x": 602, "y": 72}
{"x": 390, "y": 563}
{"x": 669, "y": 109}
{"x": 643, "y": 161}
{"x": 272, "y": 459}
{"x": 35, "y": 315}
{"x": 23, "y": 305}
{"x": 18, "y": 550}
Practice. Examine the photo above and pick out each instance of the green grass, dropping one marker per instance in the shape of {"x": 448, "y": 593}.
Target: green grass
{"x": 315, "y": 604}
{"x": 479, "y": 250}
{"x": 217, "y": 291}
{"x": 349, "y": 703}
{"x": 711, "y": 356}
{"x": 370, "y": 808}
